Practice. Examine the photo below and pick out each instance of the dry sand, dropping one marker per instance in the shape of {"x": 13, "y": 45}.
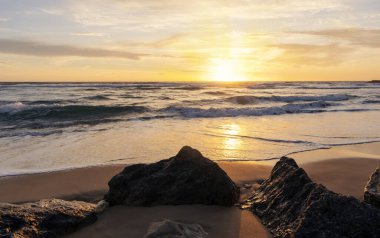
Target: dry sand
{"x": 86, "y": 184}
{"x": 343, "y": 169}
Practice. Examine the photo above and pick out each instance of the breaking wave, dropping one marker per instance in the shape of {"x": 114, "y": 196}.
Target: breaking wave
{"x": 288, "y": 99}
{"x": 191, "y": 112}
{"x": 22, "y": 111}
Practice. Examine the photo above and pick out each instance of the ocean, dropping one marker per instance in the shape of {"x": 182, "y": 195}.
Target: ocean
{"x": 56, "y": 126}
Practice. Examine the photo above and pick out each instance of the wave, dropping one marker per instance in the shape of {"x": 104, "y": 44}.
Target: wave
{"x": 320, "y": 85}
{"x": 98, "y": 97}
{"x": 131, "y": 96}
{"x": 289, "y": 99}
{"x": 29, "y": 133}
{"x": 26, "y": 112}
{"x": 192, "y": 112}
{"x": 370, "y": 101}
{"x": 340, "y": 87}
{"x": 188, "y": 87}
{"x": 147, "y": 87}
{"x": 270, "y": 85}
{"x": 215, "y": 93}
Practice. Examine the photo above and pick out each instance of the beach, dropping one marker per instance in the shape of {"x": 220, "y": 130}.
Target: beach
{"x": 190, "y": 119}
{"x": 342, "y": 169}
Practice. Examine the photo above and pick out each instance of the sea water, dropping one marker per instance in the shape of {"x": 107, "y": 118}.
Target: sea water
{"x": 54, "y": 126}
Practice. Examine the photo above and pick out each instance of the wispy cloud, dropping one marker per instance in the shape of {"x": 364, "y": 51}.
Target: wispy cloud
{"x": 55, "y": 12}
{"x": 87, "y": 34}
{"x": 33, "y": 48}
{"x": 306, "y": 55}
{"x": 356, "y": 36}
{"x": 163, "y": 14}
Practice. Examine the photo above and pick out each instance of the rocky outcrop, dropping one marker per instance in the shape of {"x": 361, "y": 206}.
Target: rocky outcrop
{"x": 291, "y": 205}
{"x": 187, "y": 178}
{"x": 172, "y": 229}
{"x": 372, "y": 189}
{"x": 44, "y": 219}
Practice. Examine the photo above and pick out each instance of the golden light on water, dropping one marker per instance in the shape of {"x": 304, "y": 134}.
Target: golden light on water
{"x": 231, "y": 141}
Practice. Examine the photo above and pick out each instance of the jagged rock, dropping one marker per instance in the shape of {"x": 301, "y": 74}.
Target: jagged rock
{"x": 44, "y": 219}
{"x": 291, "y": 205}
{"x": 372, "y": 189}
{"x": 172, "y": 229}
{"x": 187, "y": 178}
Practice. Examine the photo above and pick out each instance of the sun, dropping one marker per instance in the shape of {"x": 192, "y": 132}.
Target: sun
{"x": 226, "y": 70}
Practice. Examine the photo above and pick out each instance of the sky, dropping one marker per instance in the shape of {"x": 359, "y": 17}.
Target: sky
{"x": 197, "y": 40}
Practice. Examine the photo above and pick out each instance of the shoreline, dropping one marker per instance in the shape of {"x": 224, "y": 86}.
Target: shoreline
{"x": 269, "y": 162}
{"x": 341, "y": 169}
{"x": 330, "y": 167}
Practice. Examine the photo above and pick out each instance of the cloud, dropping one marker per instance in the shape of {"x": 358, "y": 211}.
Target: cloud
{"x": 150, "y": 15}
{"x": 34, "y": 48}
{"x": 308, "y": 54}
{"x": 4, "y": 63}
{"x": 355, "y": 36}
{"x": 54, "y": 12}
{"x": 87, "y": 34}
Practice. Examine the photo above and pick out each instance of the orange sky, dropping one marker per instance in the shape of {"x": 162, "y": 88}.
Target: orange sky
{"x": 168, "y": 40}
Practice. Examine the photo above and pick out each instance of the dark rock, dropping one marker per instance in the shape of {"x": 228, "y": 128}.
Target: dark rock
{"x": 45, "y": 219}
{"x": 187, "y": 178}
{"x": 291, "y": 205}
{"x": 260, "y": 181}
{"x": 173, "y": 229}
{"x": 372, "y": 189}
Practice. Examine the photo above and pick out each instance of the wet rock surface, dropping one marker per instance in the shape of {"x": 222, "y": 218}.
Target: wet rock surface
{"x": 291, "y": 205}
{"x": 45, "y": 219}
{"x": 372, "y": 189}
{"x": 173, "y": 229}
{"x": 187, "y": 178}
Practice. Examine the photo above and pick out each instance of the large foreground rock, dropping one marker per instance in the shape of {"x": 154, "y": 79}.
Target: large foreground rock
{"x": 45, "y": 219}
{"x": 372, "y": 189}
{"x": 173, "y": 229}
{"x": 187, "y": 178}
{"x": 291, "y": 205}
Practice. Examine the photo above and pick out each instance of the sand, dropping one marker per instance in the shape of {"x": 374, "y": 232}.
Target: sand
{"x": 133, "y": 222}
{"x": 86, "y": 184}
{"x": 343, "y": 169}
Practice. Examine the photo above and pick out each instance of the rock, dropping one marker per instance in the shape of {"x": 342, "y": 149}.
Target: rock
{"x": 172, "y": 229}
{"x": 45, "y": 219}
{"x": 101, "y": 206}
{"x": 187, "y": 178}
{"x": 291, "y": 205}
{"x": 372, "y": 189}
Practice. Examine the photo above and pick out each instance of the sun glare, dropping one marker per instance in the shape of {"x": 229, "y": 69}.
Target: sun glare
{"x": 225, "y": 70}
